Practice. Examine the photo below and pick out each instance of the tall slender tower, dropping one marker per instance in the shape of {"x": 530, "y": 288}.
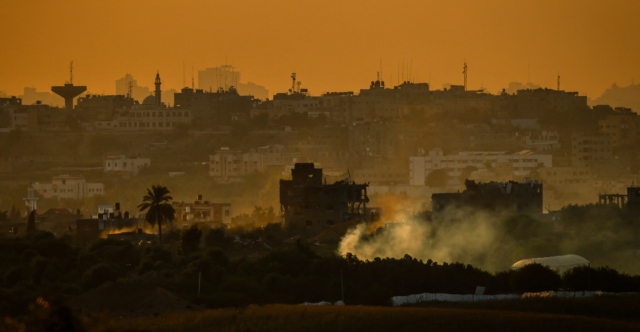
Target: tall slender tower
{"x": 158, "y": 93}
{"x": 464, "y": 71}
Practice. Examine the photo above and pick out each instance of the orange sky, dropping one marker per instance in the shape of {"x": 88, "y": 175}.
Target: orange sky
{"x": 332, "y": 45}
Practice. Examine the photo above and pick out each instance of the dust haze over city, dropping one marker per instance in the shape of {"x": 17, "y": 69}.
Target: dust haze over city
{"x": 198, "y": 158}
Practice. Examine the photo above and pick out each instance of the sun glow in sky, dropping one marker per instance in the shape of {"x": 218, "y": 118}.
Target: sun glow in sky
{"x": 332, "y": 45}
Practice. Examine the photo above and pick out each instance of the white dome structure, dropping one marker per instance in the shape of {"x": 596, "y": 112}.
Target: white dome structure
{"x": 557, "y": 263}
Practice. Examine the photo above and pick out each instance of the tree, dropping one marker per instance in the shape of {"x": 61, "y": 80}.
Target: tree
{"x": 190, "y": 239}
{"x": 31, "y": 222}
{"x": 158, "y": 203}
{"x": 535, "y": 278}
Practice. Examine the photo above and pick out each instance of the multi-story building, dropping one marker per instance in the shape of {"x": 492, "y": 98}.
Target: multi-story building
{"x": 211, "y": 108}
{"x": 147, "y": 120}
{"x": 276, "y": 155}
{"x": 564, "y": 176}
{"x": 522, "y": 163}
{"x": 590, "y": 149}
{"x": 124, "y": 164}
{"x": 380, "y": 173}
{"x": 623, "y": 127}
{"x": 68, "y": 187}
{"x": 226, "y": 76}
{"x": 214, "y": 214}
{"x": 92, "y": 108}
{"x": 128, "y": 86}
{"x": 308, "y": 203}
{"x": 540, "y": 141}
{"x": 232, "y": 165}
{"x": 514, "y": 197}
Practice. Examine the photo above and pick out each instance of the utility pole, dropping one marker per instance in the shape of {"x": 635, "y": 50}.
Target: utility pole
{"x": 342, "y": 286}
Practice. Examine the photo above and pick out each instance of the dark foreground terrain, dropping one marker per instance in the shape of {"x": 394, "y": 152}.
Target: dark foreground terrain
{"x": 600, "y": 314}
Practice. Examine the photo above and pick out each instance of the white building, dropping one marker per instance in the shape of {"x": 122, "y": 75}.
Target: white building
{"x": 122, "y": 163}
{"x": 231, "y": 165}
{"x": 522, "y": 163}
{"x": 68, "y": 187}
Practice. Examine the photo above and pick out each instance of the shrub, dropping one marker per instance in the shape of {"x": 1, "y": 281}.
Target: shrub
{"x": 98, "y": 275}
{"x": 190, "y": 239}
{"x": 535, "y": 278}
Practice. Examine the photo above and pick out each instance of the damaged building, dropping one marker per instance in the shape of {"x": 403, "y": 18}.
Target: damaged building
{"x": 108, "y": 221}
{"x": 307, "y": 202}
{"x": 515, "y": 197}
{"x": 631, "y": 200}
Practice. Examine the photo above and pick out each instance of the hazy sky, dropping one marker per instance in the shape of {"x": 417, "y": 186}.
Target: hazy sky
{"x": 332, "y": 45}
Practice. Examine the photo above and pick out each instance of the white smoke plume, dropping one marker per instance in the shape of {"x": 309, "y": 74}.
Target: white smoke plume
{"x": 465, "y": 237}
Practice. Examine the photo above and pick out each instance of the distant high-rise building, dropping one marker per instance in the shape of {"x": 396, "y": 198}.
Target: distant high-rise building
{"x": 225, "y": 77}
{"x": 137, "y": 92}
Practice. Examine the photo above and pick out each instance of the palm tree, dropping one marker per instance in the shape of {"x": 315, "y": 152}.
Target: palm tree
{"x": 157, "y": 200}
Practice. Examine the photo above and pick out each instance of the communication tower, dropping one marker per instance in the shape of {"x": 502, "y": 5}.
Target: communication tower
{"x": 293, "y": 83}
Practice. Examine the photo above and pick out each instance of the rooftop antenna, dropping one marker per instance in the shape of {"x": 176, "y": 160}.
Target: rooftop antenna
{"x": 71, "y": 72}
{"x": 410, "y": 70}
{"x": 225, "y": 72}
{"x": 558, "y": 81}
{"x": 192, "y": 80}
{"x": 464, "y": 71}
{"x": 184, "y": 76}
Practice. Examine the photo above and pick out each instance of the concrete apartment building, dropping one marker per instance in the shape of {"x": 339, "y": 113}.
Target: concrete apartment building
{"x": 381, "y": 173}
{"x": 232, "y": 165}
{"x": 276, "y": 155}
{"x": 68, "y": 187}
{"x": 147, "y": 120}
{"x": 566, "y": 176}
{"x": 124, "y": 164}
{"x": 589, "y": 149}
{"x": 623, "y": 127}
{"x": 521, "y": 163}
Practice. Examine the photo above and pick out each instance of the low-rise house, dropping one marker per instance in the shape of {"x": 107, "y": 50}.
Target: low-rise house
{"x": 214, "y": 214}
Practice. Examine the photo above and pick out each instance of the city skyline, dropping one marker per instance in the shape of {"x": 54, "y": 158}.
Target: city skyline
{"x": 590, "y": 46}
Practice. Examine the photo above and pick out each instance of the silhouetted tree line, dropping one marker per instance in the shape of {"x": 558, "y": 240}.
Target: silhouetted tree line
{"x": 42, "y": 265}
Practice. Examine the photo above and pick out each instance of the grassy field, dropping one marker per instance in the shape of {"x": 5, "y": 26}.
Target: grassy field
{"x": 365, "y": 318}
